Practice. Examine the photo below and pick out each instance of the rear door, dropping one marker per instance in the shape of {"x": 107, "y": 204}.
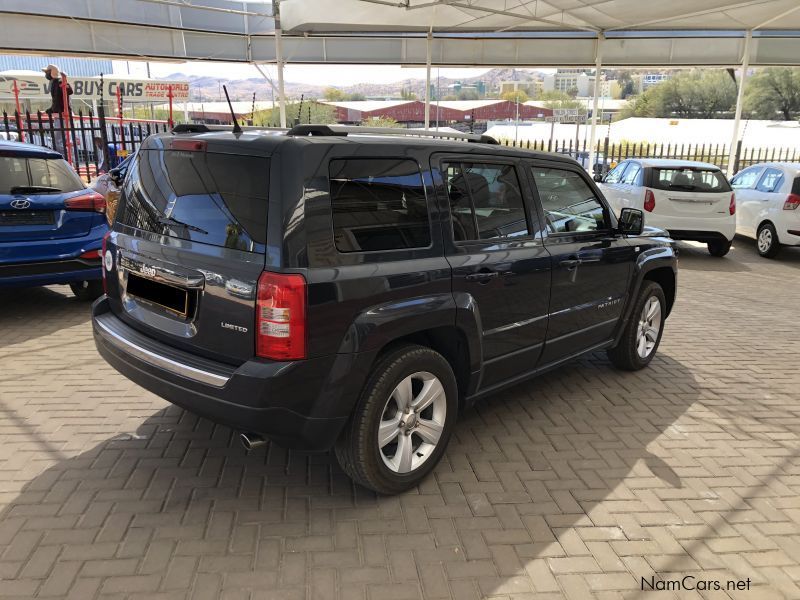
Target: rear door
{"x": 768, "y": 200}
{"x": 592, "y": 266}
{"x": 631, "y": 192}
{"x": 494, "y": 246}
{"x": 744, "y": 184}
{"x": 189, "y": 246}
{"x": 32, "y": 194}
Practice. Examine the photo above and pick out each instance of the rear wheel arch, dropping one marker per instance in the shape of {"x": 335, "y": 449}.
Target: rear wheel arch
{"x": 450, "y": 341}
{"x": 764, "y": 223}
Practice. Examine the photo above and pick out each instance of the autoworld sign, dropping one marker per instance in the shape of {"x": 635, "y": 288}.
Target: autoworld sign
{"x": 35, "y": 86}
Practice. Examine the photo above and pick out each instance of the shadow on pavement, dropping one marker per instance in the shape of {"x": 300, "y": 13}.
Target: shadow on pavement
{"x": 30, "y": 313}
{"x": 178, "y": 506}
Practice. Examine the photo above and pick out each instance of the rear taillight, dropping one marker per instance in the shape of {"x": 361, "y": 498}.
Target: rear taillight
{"x": 107, "y": 263}
{"x": 188, "y": 145}
{"x": 732, "y": 205}
{"x": 281, "y": 316}
{"x": 91, "y": 201}
{"x": 649, "y": 200}
{"x": 92, "y": 255}
{"x": 792, "y": 202}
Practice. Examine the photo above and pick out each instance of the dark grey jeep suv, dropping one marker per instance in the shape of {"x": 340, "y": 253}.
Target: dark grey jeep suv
{"x": 334, "y": 287}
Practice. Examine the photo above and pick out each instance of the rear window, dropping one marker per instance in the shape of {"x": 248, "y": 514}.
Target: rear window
{"x": 796, "y": 186}
{"x": 689, "y": 179}
{"x": 218, "y": 199}
{"x": 378, "y": 204}
{"x": 52, "y": 173}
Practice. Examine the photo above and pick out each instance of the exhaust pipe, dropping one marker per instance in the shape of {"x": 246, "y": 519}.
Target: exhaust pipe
{"x": 251, "y": 441}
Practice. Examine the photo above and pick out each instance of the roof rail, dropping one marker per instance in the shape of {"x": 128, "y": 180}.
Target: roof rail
{"x": 203, "y": 128}
{"x": 340, "y": 130}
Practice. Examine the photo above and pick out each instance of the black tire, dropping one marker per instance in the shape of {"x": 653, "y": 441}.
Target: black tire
{"x": 88, "y": 291}
{"x": 719, "y": 248}
{"x": 773, "y": 247}
{"x": 625, "y": 355}
{"x": 357, "y": 448}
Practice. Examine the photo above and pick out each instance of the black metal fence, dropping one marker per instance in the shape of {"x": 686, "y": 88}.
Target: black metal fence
{"x": 74, "y": 137}
{"x": 607, "y": 153}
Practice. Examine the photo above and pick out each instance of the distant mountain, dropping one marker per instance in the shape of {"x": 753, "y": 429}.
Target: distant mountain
{"x": 210, "y": 88}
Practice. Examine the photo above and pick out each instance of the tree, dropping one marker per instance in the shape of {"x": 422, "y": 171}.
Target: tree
{"x": 556, "y": 99}
{"x": 379, "y": 122}
{"x": 407, "y": 94}
{"x": 774, "y": 91}
{"x": 333, "y": 94}
{"x": 311, "y": 112}
{"x": 691, "y": 95}
{"x": 515, "y": 96}
{"x": 468, "y": 95}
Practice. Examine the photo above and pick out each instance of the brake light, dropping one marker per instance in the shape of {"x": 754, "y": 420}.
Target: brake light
{"x": 732, "y": 206}
{"x": 649, "y": 200}
{"x": 106, "y": 263}
{"x": 91, "y": 201}
{"x": 188, "y": 145}
{"x": 92, "y": 255}
{"x": 792, "y": 202}
{"x": 281, "y": 316}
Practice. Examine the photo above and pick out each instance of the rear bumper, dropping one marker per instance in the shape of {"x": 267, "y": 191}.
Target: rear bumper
{"x": 301, "y": 404}
{"x": 49, "y": 272}
{"x": 701, "y": 229}
{"x": 698, "y": 236}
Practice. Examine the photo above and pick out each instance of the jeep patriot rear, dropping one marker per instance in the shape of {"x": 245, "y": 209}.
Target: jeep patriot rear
{"x": 331, "y": 287}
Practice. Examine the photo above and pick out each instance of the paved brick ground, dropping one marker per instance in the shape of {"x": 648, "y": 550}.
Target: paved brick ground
{"x": 575, "y": 485}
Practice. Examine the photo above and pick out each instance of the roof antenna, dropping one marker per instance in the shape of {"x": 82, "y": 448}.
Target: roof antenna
{"x": 236, "y": 128}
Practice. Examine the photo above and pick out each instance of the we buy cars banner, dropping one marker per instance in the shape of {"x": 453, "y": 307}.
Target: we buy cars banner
{"x": 34, "y": 85}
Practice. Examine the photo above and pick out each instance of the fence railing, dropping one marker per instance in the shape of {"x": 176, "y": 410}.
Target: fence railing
{"x": 74, "y": 137}
{"x": 607, "y": 153}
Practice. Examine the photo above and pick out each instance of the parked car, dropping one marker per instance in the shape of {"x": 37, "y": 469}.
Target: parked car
{"x": 51, "y": 225}
{"x": 601, "y": 163}
{"x": 9, "y": 133}
{"x": 768, "y": 197}
{"x": 692, "y": 200}
{"x": 108, "y": 184}
{"x": 351, "y": 291}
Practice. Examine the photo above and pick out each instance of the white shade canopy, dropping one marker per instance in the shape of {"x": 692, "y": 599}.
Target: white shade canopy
{"x": 537, "y": 15}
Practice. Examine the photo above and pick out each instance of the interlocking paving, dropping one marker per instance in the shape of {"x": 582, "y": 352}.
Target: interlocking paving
{"x": 577, "y": 484}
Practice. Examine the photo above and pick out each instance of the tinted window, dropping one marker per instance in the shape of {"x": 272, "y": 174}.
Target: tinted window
{"x": 485, "y": 201}
{"x": 569, "y": 203}
{"x": 631, "y": 174}
{"x": 47, "y": 172}
{"x": 771, "y": 181}
{"x": 218, "y": 199}
{"x": 615, "y": 174}
{"x": 746, "y": 179}
{"x": 690, "y": 179}
{"x": 378, "y": 204}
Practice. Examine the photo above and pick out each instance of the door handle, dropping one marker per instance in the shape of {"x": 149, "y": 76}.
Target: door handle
{"x": 482, "y": 276}
{"x": 570, "y": 263}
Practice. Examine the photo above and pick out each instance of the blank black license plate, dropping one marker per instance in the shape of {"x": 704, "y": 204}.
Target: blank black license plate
{"x": 26, "y": 217}
{"x": 170, "y": 297}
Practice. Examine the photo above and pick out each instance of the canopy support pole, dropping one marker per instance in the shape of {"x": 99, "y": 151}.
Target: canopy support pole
{"x": 279, "y": 61}
{"x": 428, "y": 81}
{"x": 598, "y": 63}
{"x": 737, "y": 119}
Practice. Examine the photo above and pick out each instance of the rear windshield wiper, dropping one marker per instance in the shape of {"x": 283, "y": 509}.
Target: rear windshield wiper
{"x": 33, "y": 189}
{"x": 173, "y": 221}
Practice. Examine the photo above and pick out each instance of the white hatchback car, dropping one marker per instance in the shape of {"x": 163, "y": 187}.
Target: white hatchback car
{"x": 768, "y": 195}
{"x": 691, "y": 200}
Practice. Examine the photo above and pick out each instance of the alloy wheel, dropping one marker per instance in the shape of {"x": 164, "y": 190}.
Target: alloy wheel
{"x": 764, "y": 240}
{"x": 412, "y": 422}
{"x": 649, "y": 326}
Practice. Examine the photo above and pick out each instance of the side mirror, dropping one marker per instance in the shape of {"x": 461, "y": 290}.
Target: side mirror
{"x": 631, "y": 221}
{"x": 116, "y": 176}
{"x": 598, "y": 177}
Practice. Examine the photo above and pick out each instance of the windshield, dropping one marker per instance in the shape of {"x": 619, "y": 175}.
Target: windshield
{"x": 218, "y": 199}
{"x": 690, "y": 179}
{"x": 52, "y": 175}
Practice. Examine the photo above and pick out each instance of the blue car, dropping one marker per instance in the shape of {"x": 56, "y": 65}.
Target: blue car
{"x": 51, "y": 224}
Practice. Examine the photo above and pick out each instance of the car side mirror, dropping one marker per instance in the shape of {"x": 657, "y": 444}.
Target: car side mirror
{"x": 598, "y": 177}
{"x": 631, "y": 221}
{"x": 116, "y": 176}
